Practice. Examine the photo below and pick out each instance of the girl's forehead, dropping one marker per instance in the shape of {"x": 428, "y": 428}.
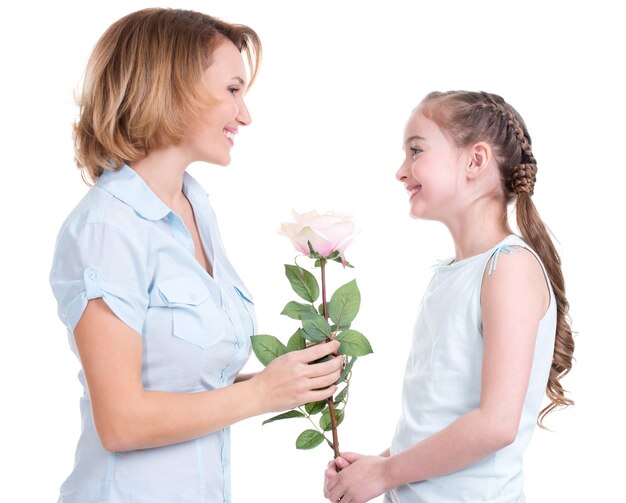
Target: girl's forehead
{"x": 419, "y": 125}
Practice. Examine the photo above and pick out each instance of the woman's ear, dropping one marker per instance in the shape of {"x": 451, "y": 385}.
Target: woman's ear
{"x": 481, "y": 157}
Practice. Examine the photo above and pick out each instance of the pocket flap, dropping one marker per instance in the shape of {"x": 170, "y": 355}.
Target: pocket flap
{"x": 186, "y": 290}
{"x": 243, "y": 293}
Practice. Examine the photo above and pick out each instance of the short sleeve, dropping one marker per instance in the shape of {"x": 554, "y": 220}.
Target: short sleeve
{"x": 100, "y": 261}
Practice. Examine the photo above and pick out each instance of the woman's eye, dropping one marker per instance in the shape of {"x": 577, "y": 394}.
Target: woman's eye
{"x": 233, "y": 90}
{"x": 415, "y": 151}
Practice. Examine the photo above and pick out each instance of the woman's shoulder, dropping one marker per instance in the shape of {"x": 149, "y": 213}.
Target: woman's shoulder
{"x": 96, "y": 207}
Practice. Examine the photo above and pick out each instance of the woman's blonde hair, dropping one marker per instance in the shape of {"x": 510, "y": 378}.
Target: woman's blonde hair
{"x": 143, "y": 84}
{"x": 469, "y": 117}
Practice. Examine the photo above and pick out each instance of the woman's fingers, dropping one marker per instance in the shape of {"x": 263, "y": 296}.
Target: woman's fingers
{"x": 325, "y": 368}
{"x": 320, "y": 382}
{"x": 320, "y": 394}
{"x": 318, "y": 351}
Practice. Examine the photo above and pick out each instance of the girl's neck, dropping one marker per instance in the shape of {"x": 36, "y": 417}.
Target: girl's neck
{"x": 162, "y": 170}
{"x": 479, "y": 229}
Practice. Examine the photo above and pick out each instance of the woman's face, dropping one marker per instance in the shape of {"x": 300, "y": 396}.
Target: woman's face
{"x": 213, "y": 135}
{"x": 432, "y": 170}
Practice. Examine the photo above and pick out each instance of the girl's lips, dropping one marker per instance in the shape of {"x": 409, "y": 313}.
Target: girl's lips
{"x": 412, "y": 190}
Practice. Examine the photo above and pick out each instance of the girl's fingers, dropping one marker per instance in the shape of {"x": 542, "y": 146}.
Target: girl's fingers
{"x": 341, "y": 463}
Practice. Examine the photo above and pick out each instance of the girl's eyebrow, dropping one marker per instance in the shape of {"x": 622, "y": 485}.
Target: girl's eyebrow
{"x": 414, "y": 137}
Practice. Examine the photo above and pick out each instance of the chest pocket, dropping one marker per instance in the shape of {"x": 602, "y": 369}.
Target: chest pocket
{"x": 195, "y": 318}
{"x": 246, "y": 299}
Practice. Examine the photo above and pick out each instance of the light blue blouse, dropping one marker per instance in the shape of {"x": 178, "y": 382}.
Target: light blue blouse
{"x": 123, "y": 244}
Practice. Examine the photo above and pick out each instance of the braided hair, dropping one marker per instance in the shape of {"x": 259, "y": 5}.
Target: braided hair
{"x": 470, "y": 117}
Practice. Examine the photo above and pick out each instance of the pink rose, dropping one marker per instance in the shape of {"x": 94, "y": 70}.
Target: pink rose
{"x": 329, "y": 232}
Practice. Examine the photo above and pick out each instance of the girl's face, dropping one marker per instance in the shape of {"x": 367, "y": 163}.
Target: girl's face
{"x": 432, "y": 171}
{"x": 211, "y": 138}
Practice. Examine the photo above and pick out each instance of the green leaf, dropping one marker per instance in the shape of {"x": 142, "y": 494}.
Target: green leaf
{"x": 302, "y": 282}
{"x": 344, "y": 304}
{"x": 296, "y": 341}
{"x": 313, "y": 408}
{"x": 284, "y": 415}
{"x": 347, "y": 264}
{"x": 309, "y": 439}
{"x": 326, "y": 423}
{"x": 316, "y": 327}
{"x": 295, "y": 310}
{"x": 341, "y": 396}
{"x": 347, "y": 370}
{"x": 320, "y": 309}
{"x": 267, "y": 347}
{"x": 353, "y": 343}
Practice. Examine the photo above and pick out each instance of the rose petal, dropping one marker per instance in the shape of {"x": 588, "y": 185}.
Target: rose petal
{"x": 318, "y": 242}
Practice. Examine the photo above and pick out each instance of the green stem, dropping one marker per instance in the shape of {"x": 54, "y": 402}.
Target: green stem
{"x": 308, "y": 416}
{"x": 330, "y": 401}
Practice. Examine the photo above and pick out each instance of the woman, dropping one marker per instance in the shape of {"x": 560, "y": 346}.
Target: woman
{"x": 154, "y": 309}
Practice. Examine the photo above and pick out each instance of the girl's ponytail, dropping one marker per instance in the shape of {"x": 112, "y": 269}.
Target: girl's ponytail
{"x": 534, "y": 232}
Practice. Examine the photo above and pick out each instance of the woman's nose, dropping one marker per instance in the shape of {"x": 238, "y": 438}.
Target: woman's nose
{"x": 243, "y": 117}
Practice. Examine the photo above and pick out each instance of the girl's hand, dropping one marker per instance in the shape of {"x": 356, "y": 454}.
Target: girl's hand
{"x": 290, "y": 380}
{"x": 335, "y": 465}
{"x": 361, "y": 478}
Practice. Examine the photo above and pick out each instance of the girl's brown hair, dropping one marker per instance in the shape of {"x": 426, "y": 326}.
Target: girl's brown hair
{"x": 470, "y": 117}
{"x": 143, "y": 84}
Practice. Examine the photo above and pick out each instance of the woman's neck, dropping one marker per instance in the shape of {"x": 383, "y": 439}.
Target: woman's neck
{"x": 162, "y": 170}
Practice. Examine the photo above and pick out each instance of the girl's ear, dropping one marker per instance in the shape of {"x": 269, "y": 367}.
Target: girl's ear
{"x": 481, "y": 157}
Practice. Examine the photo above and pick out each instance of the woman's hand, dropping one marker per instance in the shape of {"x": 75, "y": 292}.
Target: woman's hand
{"x": 291, "y": 380}
{"x": 361, "y": 478}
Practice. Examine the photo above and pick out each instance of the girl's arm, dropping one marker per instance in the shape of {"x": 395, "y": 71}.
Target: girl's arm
{"x": 128, "y": 417}
{"x": 514, "y": 299}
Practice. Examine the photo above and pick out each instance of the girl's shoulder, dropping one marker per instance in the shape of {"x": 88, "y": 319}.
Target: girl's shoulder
{"x": 514, "y": 272}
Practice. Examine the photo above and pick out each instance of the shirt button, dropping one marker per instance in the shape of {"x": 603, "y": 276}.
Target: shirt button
{"x": 92, "y": 274}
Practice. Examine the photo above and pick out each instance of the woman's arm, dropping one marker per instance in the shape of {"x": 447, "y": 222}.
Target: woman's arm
{"x": 245, "y": 377}
{"x": 514, "y": 299}
{"x": 128, "y": 417}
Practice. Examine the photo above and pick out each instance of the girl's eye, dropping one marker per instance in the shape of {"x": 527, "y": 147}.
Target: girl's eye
{"x": 415, "y": 151}
{"x": 233, "y": 90}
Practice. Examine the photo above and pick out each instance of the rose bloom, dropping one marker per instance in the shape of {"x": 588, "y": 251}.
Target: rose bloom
{"x": 327, "y": 232}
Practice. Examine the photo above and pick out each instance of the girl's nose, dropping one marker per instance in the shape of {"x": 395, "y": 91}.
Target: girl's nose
{"x": 402, "y": 173}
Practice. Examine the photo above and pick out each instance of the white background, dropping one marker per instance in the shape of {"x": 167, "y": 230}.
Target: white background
{"x": 338, "y": 82}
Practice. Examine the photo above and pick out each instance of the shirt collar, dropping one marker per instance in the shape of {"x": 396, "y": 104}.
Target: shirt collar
{"x": 194, "y": 191}
{"x": 127, "y": 186}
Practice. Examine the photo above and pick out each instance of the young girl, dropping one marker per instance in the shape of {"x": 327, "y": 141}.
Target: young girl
{"x": 153, "y": 306}
{"x": 493, "y": 332}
